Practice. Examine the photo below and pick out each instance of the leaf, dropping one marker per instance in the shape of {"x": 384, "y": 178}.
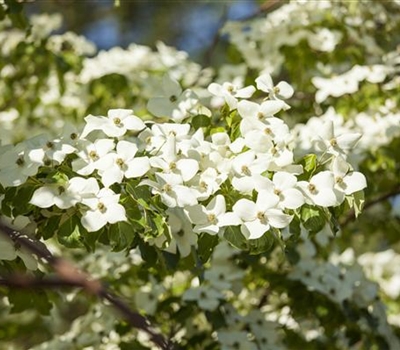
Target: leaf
{"x": 313, "y": 218}
{"x": 121, "y": 235}
{"x": 356, "y": 201}
{"x": 263, "y": 244}
{"x": 16, "y": 14}
{"x": 206, "y": 244}
{"x": 69, "y": 233}
{"x": 141, "y": 194}
{"x": 50, "y": 227}
{"x": 309, "y": 163}
{"x": 200, "y": 120}
{"x": 235, "y": 237}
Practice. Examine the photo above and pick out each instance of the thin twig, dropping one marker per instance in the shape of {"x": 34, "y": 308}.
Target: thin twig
{"x": 70, "y": 276}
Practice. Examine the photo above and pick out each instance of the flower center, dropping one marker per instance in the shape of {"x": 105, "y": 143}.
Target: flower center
{"x": 312, "y": 189}
{"x": 73, "y": 136}
{"x": 61, "y": 190}
{"x": 172, "y": 166}
{"x": 245, "y": 170}
{"x": 212, "y": 219}
{"x": 167, "y": 188}
{"x": 120, "y": 162}
{"x": 333, "y": 142}
{"x": 101, "y": 207}
{"x": 267, "y": 131}
{"x": 50, "y": 145}
{"x": 260, "y": 115}
{"x": 117, "y": 121}
{"x": 20, "y": 161}
{"x": 93, "y": 155}
{"x": 173, "y": 98}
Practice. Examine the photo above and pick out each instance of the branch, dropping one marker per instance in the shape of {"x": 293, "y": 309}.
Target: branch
{"x": 351, "y": 216}
{"x": 70, "y": 276}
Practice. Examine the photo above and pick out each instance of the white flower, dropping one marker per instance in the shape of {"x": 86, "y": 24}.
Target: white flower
{"x": 17, "y": 163}
{"x": 208, "y": 219}
{"x": 276, "y": 92}
{"x": 90, "y": 154}
{"x": 259, "y": 217}
{"x": 182, "y": 236}
{"x": 103, "y": 208}
{"x": 230, "y": 92}
{"x": 282, "y": 186}
{"x": 327, "y": 140}
{"x": 320, "y": 189}
{"x": 174, "y": 103}
{"x": 172, "y": 191}
{"x": 170, "y": 162}
{"x": 346, "y": 181}
{"x": 116, "y": 124}
{"x": 206, "y": 297}
{"x": 113, "y": 167}
{"x": 64, "y": 195}
{"x": 248, "y": 109}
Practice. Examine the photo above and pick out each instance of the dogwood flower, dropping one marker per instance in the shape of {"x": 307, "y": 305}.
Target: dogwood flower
{"x": 320, "y": 189}
{"x": 64, "y": 195}
{"x": 90, "y": 154}
{"x": 17, "y": 163}
{"x": 327, "y": 140}
{"x": 174, "y": 103}
{"x": 275, "y": 92}
{"x": 113, "y": 167}
{"x": 116, "y": 124}
{"x": 209, "y": 219}
{"x": 346, "y": 181}
{"x": 230, "y": 92}
{"x": 206, "y": 297}
{"x": 182, "y": 236}
{"x": 260, "y": 216}
{"x": 283, "y": 186}
{"x": 170, "y": 162}
{"x": 103, "y": 208}
{"x": 172, "y": 191}
{"x": 248, "y": 109}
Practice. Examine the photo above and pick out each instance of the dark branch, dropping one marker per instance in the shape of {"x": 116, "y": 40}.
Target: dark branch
{"x": 70, "y": 276}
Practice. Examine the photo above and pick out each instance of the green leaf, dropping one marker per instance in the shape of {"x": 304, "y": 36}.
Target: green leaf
{"x": 356, "y": 201}
{"x": 206, "y": 244}
{"x": 217, "y": 130}
{"x": 23, "y": 196}
{"x": 141, "y": 194}
{"x": 69, "y": 233}
{"x": 200, "y": 120}
{"x": 235, "y": 237}
{"x": 313, "y": 218}
{"x": 309, "y": 163}
{"x": 121, "y": 235}
{"x": 263, "y": 244}
{"x": 50, "y": 227}
{"x": 15, "y": 12}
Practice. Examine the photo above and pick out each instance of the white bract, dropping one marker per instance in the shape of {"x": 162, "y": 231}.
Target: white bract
{"x": 103, "y": 208}
{"x": 114, "y": 166}
{"x": 116, "y": 124}
{"x": 64, "y": 195}
{"x": 174, "y": 103}
{"x": 257, "y": 218}
{"x": 209, "y": 219}
{"x": 230, "y": 93}
{"x": 320, "y": 189}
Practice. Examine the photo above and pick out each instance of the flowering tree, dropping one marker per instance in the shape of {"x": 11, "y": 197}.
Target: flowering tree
{"x": 150, "y": 203}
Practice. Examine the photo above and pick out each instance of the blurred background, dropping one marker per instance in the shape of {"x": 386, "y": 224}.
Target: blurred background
{"x": 187, "y": 25}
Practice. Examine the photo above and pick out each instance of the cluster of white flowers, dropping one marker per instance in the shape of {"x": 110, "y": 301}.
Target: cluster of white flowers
{"x": 186, "y": 169}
